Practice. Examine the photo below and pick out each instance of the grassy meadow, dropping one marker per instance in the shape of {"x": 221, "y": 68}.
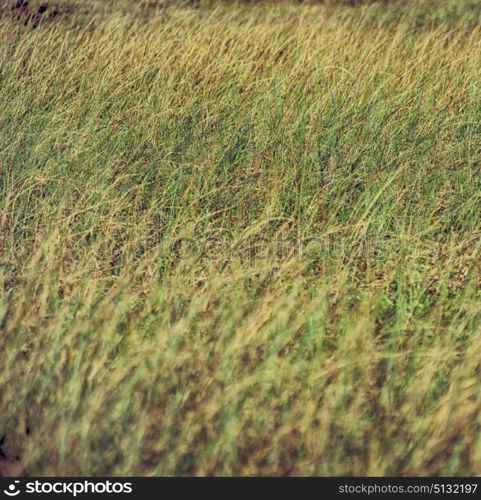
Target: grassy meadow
{"x": 240, "y": 239}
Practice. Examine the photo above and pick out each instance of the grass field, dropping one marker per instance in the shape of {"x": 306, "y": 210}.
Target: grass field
{"x": 240, "y": 239}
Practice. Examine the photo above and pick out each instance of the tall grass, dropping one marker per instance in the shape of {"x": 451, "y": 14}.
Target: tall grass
{"x": 241, "y": 240}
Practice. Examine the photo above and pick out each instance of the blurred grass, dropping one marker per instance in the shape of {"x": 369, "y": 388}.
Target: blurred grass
{"x": 130, "y": 135}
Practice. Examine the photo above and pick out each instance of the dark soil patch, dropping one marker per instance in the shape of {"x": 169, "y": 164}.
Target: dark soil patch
{"x": 31, "y": 14}
{"x": 8, "y": 462}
